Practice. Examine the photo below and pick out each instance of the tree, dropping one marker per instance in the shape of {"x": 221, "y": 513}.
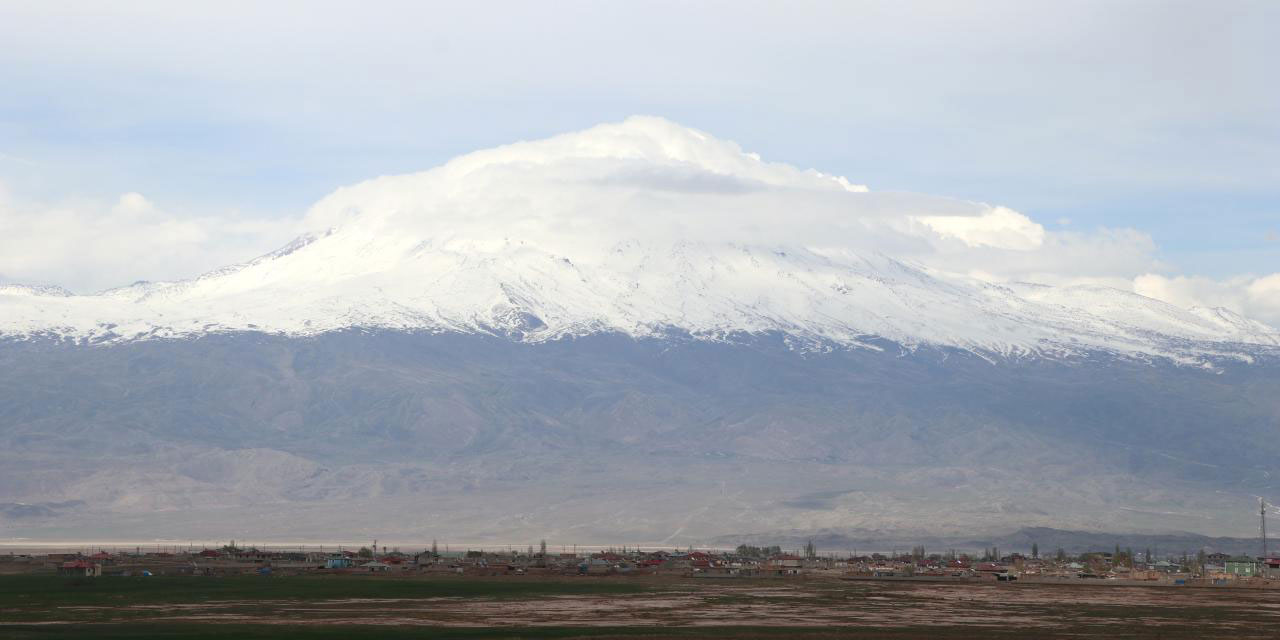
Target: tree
{"x": 750, "y": 551}
{"x": 542, "y": 548}
{"x": 365, "y": 552}
{"x": 435, "y": 552}
{"x": 1060, "y": 556}
{"x": 1035, "y": 550}
{"x": 810, "y": 551}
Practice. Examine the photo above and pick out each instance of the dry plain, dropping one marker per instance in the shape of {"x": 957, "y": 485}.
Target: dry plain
{"x": 603, "y": 607}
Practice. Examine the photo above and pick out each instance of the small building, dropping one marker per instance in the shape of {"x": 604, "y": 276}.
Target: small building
{"x": 1242, "y": 567}
{"x": 990, "y": 569}
{"x": 338, "y": 562}
{"x": 787, "y": 565}
{"x": 80, "y": 569}
{"x": 1270, "y": 567}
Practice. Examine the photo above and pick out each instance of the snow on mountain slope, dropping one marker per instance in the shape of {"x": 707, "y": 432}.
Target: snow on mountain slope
{"x": 641, "y": 227}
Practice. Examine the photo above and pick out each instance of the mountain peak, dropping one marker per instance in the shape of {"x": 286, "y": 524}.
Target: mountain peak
{"x": 642, "y": 227}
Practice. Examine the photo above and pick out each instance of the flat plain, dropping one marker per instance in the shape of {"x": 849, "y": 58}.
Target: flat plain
{"x": 349, "y": 606}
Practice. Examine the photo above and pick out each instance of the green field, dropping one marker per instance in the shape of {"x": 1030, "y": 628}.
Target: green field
{"x": 42, "y": 592}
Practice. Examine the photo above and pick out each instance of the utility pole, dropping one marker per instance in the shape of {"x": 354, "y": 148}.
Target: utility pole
{"x": 1262, "y": 522}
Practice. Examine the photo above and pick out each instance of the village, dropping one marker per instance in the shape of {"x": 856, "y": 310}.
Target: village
{"x": 1114, "y": 566}
{"x": 749, "y": 591}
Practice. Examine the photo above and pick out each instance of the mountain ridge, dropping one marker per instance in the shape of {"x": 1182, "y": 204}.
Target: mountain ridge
{"x": 609, "y": 437}
{"x": 999, "y": 319}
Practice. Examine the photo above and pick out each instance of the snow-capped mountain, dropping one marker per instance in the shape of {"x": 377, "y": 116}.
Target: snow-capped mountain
{"x": 641, "y": 228}
{"x": 636, "y": 333}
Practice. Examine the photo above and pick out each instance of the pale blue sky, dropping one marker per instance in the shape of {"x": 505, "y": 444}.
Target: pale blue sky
{"x": 1157, "y": 116}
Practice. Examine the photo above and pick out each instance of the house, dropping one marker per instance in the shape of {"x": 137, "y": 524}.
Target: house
{"x": 252, "y": 555}
{"x": 375, "y": 566}
{"x": 80, "y": 568}
{"x": 1242, "y": 567}
{"x": 338, "y": 562}
{"x": 785, "y": 564}
{"x": 990, "y": 569}
{"x": 1269, "y": 567}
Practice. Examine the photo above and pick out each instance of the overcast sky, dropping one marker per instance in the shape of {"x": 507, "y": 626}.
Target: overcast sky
{"x": 158, "y": 140}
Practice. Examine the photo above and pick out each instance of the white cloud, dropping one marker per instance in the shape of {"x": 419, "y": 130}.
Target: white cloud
{"x": 647, "y": 179}
{"x": 583, "y": 193}
{"x": 1250, "y": 296}
{"x": 1071, "y": 109}
{"x": 1000, "y": 227}
{"x": 89, "y": 245}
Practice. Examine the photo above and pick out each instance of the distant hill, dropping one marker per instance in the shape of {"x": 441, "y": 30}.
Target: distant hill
{"x": 606, "y": 439}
